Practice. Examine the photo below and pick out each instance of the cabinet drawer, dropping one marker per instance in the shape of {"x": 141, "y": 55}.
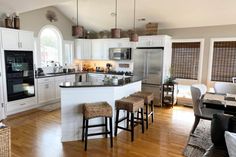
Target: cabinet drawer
{"x": 60, "y": 78}
{"x": 48, "y": 79}
{"x": 70, "y": 77}
{"x": 20, "y": 105}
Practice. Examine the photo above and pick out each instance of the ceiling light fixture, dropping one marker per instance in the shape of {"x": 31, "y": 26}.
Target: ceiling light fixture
{"x": 115, "y": 32}
{"x": 134, "y": 35}
{"x": 77, "y": 31}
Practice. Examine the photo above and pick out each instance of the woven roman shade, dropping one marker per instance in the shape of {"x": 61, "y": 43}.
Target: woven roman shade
{"x": 224, "y": 61}
{"x": 185, "y": 60}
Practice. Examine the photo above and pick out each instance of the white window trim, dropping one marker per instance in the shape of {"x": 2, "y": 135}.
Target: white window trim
{"x": 61, "y": 43}
{"x": 212, "y": 40}
{"x": 73, "y": 47}
{"x": 190, "y": 81}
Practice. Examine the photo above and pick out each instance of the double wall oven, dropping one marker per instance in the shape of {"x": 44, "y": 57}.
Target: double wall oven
{"x": 19, "y": 68}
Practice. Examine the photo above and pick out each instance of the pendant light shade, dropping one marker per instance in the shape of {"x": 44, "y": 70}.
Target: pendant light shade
{"x": 77, "y": 31}
{"x": 115, "y": 32}
{"x": 134, "y": 35}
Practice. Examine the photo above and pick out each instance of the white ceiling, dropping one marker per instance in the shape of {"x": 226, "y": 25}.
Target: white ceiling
{"x": 96, "y": 14}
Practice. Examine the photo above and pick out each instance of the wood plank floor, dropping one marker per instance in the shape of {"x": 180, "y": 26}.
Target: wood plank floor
{"x": 37, "y": 134}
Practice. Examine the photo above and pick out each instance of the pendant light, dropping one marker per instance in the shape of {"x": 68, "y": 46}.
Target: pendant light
{"x": 115, "y": 32}
{"x": 134, "y": 35}
{"x": 77, "y": 31}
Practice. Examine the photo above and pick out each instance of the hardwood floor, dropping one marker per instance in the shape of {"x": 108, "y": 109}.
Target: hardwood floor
{"x": 37, "y": 134}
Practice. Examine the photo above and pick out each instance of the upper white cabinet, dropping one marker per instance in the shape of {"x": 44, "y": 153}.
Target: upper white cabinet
{"x": 152, "y": 41}
{"x": 83, "y": 48}
{"x": 26, "y": 40}
{"x": 17, "y": 39}
{"x": 100, "y": 49}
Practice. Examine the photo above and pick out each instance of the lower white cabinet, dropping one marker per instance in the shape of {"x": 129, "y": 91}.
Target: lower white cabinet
{"x": 49, "y": 88}
{"x": 20, "y": 105}
{"x": 46, "y": 90}
{"x": 58, "y": 81}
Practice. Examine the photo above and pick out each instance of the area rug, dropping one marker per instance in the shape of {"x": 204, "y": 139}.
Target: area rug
{"x": 200, "y": 141}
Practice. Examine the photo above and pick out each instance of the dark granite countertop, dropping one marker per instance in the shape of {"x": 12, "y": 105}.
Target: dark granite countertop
{"x": 71, "y": 73}
{"x": 57, "y": 74}
{"x": 121, "y": 82}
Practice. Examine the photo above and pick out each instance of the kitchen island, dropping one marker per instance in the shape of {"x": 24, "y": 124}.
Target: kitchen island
{"x": 75, "y": 94}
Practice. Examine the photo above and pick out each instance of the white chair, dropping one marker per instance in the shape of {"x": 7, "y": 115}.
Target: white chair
{"x": 225, "y": 87}
{"x": 200, "y": 112}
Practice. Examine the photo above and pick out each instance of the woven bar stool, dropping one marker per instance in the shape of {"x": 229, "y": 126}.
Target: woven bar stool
{"x": 131, "y": 105}
{"x": 95, "y": 110}
{"x": 148, "y": 102}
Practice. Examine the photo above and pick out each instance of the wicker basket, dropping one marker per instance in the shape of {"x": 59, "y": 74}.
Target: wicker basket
{"x": 5, "y": 142}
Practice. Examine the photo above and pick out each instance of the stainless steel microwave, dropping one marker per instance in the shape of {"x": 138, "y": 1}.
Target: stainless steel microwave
{"x": 120, "y": 53}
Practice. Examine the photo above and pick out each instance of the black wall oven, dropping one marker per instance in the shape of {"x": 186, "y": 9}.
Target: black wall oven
{"x": 19, "y": 74}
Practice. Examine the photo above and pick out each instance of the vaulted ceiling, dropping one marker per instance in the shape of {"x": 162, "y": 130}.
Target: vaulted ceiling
{"x": 96, "y": 14}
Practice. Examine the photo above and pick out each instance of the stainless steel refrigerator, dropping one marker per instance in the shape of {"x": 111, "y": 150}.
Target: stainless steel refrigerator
{"x": 148, "y": 64}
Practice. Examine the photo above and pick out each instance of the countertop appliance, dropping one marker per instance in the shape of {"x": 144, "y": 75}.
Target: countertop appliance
{"x": 148, "y": 64}
{"x": 19, "y": 74}
{"x": 120, "y": 53}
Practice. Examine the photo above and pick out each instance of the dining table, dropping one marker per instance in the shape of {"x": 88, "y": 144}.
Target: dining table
{"x": 225, "y": 102}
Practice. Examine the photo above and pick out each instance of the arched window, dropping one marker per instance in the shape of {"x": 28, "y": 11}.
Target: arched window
{"x": 50, "y": 45}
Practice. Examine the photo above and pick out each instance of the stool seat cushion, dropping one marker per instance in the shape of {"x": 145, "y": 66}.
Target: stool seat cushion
{"x": 98, "y": 109}
{"x": 131, "y": 104}
{"x": 147, "y": 96}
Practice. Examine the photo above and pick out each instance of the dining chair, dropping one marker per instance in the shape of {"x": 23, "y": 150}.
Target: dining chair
{"x": 225, "y": 87}
{"x": 200, "y": 112}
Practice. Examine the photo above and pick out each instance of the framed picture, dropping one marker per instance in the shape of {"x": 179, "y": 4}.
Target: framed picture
{"x": 234, "y": 79}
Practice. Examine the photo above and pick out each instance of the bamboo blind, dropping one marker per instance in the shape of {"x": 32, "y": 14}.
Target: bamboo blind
{"x": 185, "y": 60}
{"x": 224, "y": 61}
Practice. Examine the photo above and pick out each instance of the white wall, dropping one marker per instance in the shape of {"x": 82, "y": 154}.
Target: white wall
{"x": 36, "y": 19}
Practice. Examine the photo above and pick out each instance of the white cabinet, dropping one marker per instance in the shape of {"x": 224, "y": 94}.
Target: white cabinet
{"x": 100, "y": 49}
{"x": 10, "y": 40}
{"x": 151, "y": 41}
{"x": 58, "y": 81}
{"x": 2, "y": 104}
{"x": 95, "y": 77}
{"x": 17, "y": 39}
{"x": 21, "y": 105}
{"x": 70, "y": 78}
{"x": 46, "y": 90}
{"x": 83, "y": 49}
{"x": 119, "y": 43}
{"x": 49, "y": 88}
{"x": 26, "y": 40}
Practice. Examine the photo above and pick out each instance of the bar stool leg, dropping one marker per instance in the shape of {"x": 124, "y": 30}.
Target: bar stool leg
{"x": 127, "y": 121}
{"x": 142, "y": 120}
{"x": 111, "y": 135}
{"x": 147, "y": 112}
{"x": 132, "y": 126}
{"x": 152, "y": 107}
{"x": 117, "y": 119}
{"x": 83, "y": 127}
{"x": 86, "y": 134}
{"x": 106, "y": 130}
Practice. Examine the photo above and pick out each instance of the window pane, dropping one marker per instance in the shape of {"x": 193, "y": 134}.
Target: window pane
{"x": 224, "y": 61}
{"x": 50, "y": 46}
{"x": 185, "y": 60}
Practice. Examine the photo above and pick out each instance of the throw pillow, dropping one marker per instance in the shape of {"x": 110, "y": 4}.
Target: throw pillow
{"x": 230, "y": 139}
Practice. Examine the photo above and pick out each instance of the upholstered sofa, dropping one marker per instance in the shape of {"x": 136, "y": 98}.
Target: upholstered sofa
{"x": 220, "y": 123}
